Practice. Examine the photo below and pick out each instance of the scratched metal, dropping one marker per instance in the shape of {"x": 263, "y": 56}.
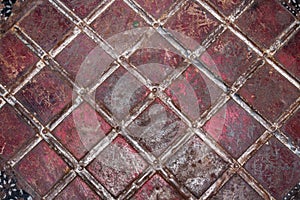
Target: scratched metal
{"x": 182, "y": 99}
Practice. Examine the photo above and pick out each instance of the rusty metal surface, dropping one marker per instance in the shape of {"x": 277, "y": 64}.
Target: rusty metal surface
{"x": 172, "y": 99}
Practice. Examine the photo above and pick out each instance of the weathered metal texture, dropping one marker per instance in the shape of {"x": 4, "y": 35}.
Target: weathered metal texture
{"x": 149, "y": 99}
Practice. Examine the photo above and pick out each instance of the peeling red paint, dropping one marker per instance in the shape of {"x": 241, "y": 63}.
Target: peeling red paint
{"x": 192, "y": 21}
{"x": 226, "y": 6}
{"x": 42, "y": 168}
{"x": 46, "y": 95}
{"x": 15, "y": 60}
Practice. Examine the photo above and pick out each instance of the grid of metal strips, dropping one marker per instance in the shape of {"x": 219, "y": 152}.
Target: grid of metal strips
{"x": 155, "y": 164}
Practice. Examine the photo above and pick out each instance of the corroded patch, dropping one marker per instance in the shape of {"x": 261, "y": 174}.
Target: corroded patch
{"x": 196, "y": 166}
{"x": 16, "y": 60}
{"x": 156, "y": 128}
{"x": 157, "y": 188}
{"x": 236, "y": 189}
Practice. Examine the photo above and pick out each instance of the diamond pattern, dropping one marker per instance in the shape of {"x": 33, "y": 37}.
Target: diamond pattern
{"x": 268, "y": 82}
{"x": 120, "y": 26}
{"x": 121, "y": 93}
{"x": 196, "y": 166}
{"x": 275, "y": 167}
{"x": 189, "y": 166}
{"x": 150, "y": 61}
{"x": 46, "y": 95}
{"x": 117, "y": 166}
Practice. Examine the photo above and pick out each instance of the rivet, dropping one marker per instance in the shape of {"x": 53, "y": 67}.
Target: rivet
{"x": 44, "y": 131}
{"x": 266, "y": 55}
{"x": 156, "y": 25}
{"x": 122, "y": 58}
{"x": 154, "y": 89}
{"x": 82, "y": 91}
{"x": 235, "y": 165}
{"x": 117, "y": 129}
{"x": 192, "y": 56}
